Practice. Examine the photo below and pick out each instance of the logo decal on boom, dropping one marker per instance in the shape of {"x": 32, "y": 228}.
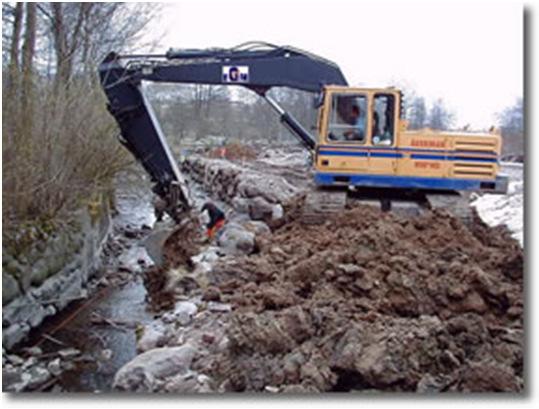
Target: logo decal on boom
{"x": 235, "y": 73}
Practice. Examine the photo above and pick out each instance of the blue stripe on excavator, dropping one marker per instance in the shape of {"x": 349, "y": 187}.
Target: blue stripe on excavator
{"x": 332, "y": 179}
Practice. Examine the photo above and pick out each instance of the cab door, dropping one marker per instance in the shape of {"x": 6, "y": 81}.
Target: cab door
{"x": 344, "y": 145}
{"x": 383, "y": 153}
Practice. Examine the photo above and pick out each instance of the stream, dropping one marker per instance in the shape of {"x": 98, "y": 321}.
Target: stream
{"x": 103, "y": 327}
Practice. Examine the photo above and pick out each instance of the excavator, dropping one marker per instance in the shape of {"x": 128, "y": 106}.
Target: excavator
{"x": 362, "y": 146}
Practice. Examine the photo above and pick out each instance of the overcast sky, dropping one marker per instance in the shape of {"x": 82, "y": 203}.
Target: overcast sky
{"x": 470, "y": 53}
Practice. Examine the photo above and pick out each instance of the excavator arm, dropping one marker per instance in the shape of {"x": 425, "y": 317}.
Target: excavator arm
{"x": 256, "y": 66}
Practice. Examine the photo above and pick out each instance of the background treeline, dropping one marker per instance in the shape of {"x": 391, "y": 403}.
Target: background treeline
{"x": 58, "y": 141}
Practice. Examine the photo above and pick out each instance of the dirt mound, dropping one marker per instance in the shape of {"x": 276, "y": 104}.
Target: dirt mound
{"x": 233, "y": 151}
{"x": 371, "y": 300}
{"x": 182, "y": 244}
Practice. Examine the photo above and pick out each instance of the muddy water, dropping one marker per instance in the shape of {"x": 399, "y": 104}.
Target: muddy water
{"x": 104, "y": 326}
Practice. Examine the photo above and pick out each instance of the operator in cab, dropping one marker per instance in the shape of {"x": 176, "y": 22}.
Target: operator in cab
{"x": 358, "y": 131}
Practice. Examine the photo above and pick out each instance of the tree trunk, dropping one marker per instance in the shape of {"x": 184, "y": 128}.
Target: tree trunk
{"x": 14, "y": 50}
{"x": 60, "y": 44}
{"x": 28, "y": 50}
{"x": 29, "y": 40}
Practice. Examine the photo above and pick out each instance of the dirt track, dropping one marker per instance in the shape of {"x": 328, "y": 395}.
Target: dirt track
{"x": 373, "y": 301}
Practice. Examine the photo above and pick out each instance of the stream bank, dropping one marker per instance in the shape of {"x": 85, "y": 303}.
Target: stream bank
{"x": 81, "y": 347}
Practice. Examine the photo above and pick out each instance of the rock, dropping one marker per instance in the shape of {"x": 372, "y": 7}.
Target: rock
{"x": 10, "y": 288}
{"x": 277, "y": 212}
{"x": 13, "y": 334}
{"x": 34, "y": 351}
{"x": 143, "y": 372}
{"x": 153, "y": 335}
{"x": 12, "y": 380}
{"x": 257, "y": 227}
{"x": 35, "y": 377}
{"x": 208, "y": 338}
{"x": 29, "y": 362}
{"x": 183, "y": 313}
{"x": 36, "y": 319}
{"x": 364, "y": 283}
{"x": 55, "y": 367}
{"x": 240, "y": 204}
{"x": 273, "y": 189}
{"x": 350, "y": 269}
{"x": 473, "y": 303}
{"x": 105, "y": 355}
{"x": 219, "y": 307}
{"x": 376, "y": 366}
{"x": 489, "y": 377}
{"x": 191, "y": 382}
{"x": 68, "y": 353}
{"x": 260, "y": 209}
{"x": 211, "y": 294}
{"x": 21, "y": 310}
{"x": 15, "y": 360}
{"x": 235, "y": 240}
{"x": 430, "y": 384}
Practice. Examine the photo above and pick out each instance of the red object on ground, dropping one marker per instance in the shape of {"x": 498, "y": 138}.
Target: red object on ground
{"x": 216, "y": 227}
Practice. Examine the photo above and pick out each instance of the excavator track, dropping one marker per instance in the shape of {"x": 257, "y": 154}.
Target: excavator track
{"x": 457, "y": 204}
{"x": 319, "y": 204}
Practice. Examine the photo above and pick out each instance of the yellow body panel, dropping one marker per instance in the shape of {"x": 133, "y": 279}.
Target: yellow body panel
{"x": 421, "y": 153}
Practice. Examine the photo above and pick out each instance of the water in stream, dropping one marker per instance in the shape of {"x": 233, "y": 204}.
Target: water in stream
{"x": 103, "y": 327}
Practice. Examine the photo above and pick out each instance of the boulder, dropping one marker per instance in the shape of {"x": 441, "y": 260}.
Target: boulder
{"x": 145, "y": 372}
{"x": 10, "y": 288}
{"x": 183, "y": 313}
{"x": 260, "y": 209}
{"x": 153, "y": 335}
{"x": 274, "y": 189}
{"x": 13, "y": 334}
{"x": 257, "y": 227}
{"x": 236, "y": 240}
{"x": 241, "y": 204}
{"x": 190, "y": 382}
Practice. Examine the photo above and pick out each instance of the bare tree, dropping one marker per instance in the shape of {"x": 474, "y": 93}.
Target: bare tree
{"x": 28, "y": 50}
{"x": 417, "y": 113}
{"x": 15, "y": 39}
{"x": 511, "y": 123}
{"x": 439, "y": 116}
{"x": 69, "y": 140}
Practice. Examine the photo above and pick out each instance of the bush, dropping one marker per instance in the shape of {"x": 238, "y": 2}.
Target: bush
{"x": 58, "y": 150}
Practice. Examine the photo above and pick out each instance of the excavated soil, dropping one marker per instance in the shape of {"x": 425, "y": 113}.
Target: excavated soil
{"x": 373, "y": 301}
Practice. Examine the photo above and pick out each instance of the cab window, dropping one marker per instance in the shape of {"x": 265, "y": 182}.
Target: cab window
{"x": 347, "y": 121}
{"x": 383, "y": 119}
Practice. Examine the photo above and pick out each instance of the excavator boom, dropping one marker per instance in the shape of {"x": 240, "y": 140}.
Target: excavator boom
{"x": 256, "y": 66}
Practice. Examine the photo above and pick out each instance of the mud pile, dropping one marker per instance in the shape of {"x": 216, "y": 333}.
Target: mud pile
{"x": 371, "y": 300}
